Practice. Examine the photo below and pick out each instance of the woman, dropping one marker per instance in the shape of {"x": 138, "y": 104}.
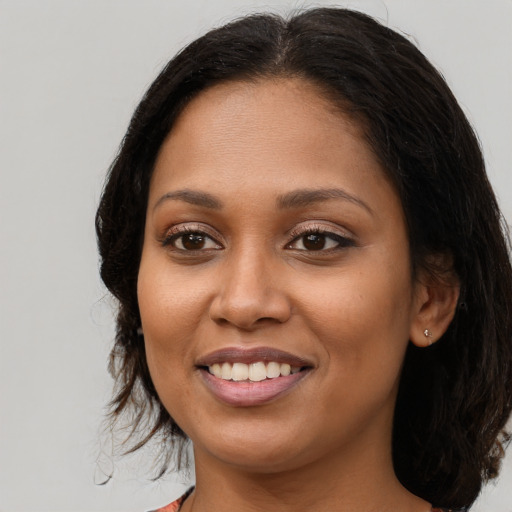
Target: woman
{"x": 313, "y": 281}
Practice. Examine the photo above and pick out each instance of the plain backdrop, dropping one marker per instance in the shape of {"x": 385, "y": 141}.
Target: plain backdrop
{"x": 71, "y": 73}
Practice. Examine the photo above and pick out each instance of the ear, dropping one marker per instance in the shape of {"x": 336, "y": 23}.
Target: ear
{"x": 435, "y": 302}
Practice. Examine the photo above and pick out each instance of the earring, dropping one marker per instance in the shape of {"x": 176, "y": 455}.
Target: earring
{"x": 428, "y": 335}
{"x": 140, "y": 332}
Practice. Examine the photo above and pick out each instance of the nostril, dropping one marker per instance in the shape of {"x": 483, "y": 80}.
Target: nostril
{"x": 250, "y": 309}
{"x": 268, "y": 319}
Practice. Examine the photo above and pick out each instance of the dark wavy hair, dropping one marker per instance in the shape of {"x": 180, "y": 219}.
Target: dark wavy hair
{"x": 455, "y": 396}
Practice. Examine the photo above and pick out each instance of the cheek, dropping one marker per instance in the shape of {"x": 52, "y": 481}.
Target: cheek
{"x": 169, "y": 303}
{"x": 358, "y": 300}
{"x": 362, "y": 319}
{"x": 167, "y": 318}
{"x": 363, "y": 326}
{"x": 170, "y": 310}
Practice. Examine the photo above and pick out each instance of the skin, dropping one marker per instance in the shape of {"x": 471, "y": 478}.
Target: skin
{"x": 350, "y": 309}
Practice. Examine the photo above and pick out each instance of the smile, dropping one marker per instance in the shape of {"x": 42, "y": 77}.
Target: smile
{"x": 254, "y": 372}
{"x": 250, "y": 377}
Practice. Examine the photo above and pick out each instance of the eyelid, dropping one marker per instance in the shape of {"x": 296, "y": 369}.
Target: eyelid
{"x": 184, "y": 228}
{"x": 338, "y": 234}
{"x": 327, "y": 229}
{"x": 318, "y": 227}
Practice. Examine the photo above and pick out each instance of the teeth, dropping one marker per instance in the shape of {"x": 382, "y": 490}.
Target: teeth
{"x": 273, "y": 370}
{"x": 254, "y": 372}
{"x": 285, "y": 369}
{"x": 216, "y": 369}
{"x": 226, "y": 371}
{"x": 257, "y": 372}
{"x": 240, "y": 371}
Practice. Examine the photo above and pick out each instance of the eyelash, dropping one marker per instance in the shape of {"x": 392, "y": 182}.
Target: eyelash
{"x": 178, "y": 232}
{"x": 342, "y": 241}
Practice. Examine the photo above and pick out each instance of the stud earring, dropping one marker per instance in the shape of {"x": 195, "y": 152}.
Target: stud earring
{"x": 428, "y": 335}
{"x": 140, "y": 332}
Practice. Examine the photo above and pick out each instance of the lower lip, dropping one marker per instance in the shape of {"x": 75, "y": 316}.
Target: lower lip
{"x": 247, "y": 394}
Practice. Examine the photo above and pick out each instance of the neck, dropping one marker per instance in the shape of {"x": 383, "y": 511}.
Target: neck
{"x": 342, "y": 481}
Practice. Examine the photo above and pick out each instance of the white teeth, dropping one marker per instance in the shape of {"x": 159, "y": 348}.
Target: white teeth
{"x": 240, "y": 371}
{"x": 254, "y": 372}
{"x": 216, "y": 369}
{"x": 226, "y": 371}
{"x": 257, "y": 372}
{"x": 273, "y": 370}
{"x": 285, "y": 369}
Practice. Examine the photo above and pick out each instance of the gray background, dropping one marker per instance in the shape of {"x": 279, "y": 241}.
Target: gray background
{"x": 71, "y": 73}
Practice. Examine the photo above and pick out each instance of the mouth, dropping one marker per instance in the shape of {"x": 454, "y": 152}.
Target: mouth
{"x": 243, "y": 378}
{"x": 254, "y": 372}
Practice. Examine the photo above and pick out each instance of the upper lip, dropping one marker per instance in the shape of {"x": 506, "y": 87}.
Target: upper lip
{"x": 251, "y": 355}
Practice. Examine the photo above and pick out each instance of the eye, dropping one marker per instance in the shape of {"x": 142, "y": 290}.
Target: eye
{"x": 319, "y": 241}
{"x": 185, "y": 239}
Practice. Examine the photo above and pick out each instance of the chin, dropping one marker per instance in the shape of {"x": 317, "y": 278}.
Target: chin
{"x": 258, "y": 461}
{"x": 256, "y": 451}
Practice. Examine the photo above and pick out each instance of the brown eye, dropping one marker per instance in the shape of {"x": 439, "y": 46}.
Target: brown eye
{"x": 313, "y": 241}
{"x": 191, "y": 241}
{"x": 320, "y": 241}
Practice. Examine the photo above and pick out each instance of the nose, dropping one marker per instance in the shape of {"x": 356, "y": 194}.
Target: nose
{"x": 251, "y": 293}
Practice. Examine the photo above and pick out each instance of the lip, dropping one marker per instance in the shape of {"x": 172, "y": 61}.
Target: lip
{"x": 252, "y": 355}
{"x": 249, "y": 394}
{"x": 245, "y": 393}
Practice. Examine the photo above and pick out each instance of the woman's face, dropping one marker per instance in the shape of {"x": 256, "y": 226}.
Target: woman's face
{"x": 275, "y": 283}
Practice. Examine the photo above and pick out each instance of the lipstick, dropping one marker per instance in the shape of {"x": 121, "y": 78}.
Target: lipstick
{"x": 244, "y": 377}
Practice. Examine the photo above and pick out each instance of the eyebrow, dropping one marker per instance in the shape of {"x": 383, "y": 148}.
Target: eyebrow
{"x": 192, "y": 197}
{"x": 294, "y": 199}
{"x": 305, "y": 197}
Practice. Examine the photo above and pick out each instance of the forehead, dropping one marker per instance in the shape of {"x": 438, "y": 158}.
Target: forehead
{"x": 233, "y": 100}
{"x": 274, "y": 127}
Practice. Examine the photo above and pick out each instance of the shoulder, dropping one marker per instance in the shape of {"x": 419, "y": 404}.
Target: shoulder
{"x": 175, "y": 505}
